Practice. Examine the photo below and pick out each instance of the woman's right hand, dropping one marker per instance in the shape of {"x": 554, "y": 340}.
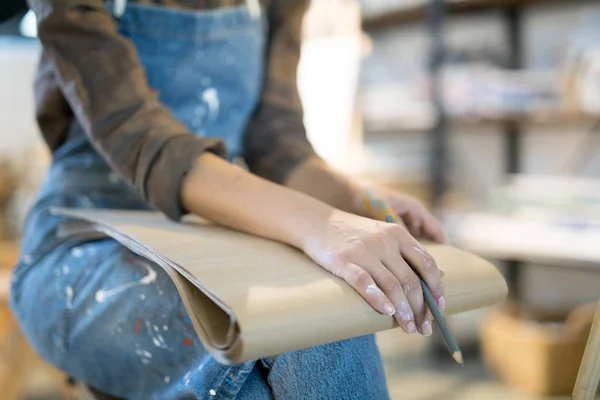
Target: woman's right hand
{"x": 375, "y": 258}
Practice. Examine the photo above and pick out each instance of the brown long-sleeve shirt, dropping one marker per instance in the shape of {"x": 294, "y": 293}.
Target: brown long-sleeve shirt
{"x": 91, "y": 72}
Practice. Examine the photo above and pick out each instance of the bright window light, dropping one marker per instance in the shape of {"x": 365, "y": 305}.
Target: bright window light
{"x": 28, "y": 26}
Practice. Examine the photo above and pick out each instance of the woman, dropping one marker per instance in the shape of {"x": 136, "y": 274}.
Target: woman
{"x": 137, "y": 102}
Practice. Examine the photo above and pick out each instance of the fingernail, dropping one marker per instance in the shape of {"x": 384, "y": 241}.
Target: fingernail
{"x": 442, "y": 271}
{"x": 441, "y": 303}
{"x": 411, "y": 327}
{"x": 426, "y": 328}
{"x": 389, "y": 309}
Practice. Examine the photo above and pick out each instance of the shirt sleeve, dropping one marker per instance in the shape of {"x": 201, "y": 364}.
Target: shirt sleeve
{"x": 103, "y": 81}
{"x": 275, "y": 141}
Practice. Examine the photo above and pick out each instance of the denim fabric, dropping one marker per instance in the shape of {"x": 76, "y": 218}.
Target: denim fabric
{"x": 114, "y": 320}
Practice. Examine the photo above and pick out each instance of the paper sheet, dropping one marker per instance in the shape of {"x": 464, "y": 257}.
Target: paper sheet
{"x": 250, "y": 298}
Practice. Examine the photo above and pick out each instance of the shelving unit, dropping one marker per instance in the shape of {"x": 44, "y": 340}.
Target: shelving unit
{"x": 434, "y": 13}
{"x": 418, "y": 11}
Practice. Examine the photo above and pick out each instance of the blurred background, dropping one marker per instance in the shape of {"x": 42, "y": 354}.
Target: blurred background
{"x": 487, "y": 110}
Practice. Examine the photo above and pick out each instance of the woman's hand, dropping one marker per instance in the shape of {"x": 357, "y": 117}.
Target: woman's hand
{"x": 416, "y": 218}
{"x": 375, "y": 258}
{"x": 315, "y": 178}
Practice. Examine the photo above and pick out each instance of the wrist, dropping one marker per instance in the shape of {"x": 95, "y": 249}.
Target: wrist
{"x": 307, "y": 222}
{"x": 317, "y": 179}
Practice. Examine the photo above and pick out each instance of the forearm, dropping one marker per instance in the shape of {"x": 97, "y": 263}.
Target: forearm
{"x": 232, "y": 197}
{"x": 316, "y": 179}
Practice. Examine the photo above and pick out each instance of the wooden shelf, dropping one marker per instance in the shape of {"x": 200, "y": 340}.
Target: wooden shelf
{"x": 526, "y": 119}
{"x": 418, "y": 12}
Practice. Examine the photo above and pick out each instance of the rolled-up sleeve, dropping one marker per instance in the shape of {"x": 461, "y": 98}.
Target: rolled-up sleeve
{"x": 276, "y": 141}
{"x": 104, "y": 83}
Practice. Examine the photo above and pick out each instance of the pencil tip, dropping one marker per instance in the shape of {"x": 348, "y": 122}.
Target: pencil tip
{"x": 457, "y": 355}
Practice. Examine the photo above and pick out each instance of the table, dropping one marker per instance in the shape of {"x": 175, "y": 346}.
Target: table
{"x": 509, "y": 238}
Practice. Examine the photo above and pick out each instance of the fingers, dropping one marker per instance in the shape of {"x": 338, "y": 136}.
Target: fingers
{"x": 433, "y": 229}
{"x": 411, "y": 289}
{"x": 363, "y": 283}
{"x": 392, "y": 287}
{"x": 421, "y": 223}
{"x": 425, "y": 266}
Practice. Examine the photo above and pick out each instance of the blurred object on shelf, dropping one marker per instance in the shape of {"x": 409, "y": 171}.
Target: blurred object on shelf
{"x": 475, "y": 95}
{"x": 581, "y": 66}
{"x": 535, "y": 353}
{"x": 479, "y": 90}
{"x": 401, "y": 105}
{"x": 551, "y": 196}
{"x": 478, "y": 87}
{"x": 546, "y": 219}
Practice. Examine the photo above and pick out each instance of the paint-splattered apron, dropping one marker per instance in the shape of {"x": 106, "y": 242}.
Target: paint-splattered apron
{"x": 115, "y": 321}
{"x": 207, "y": 67}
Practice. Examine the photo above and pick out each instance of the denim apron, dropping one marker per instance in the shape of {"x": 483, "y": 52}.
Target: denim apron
{"x": 207, "y": 67}
{"x": 111, "y": 319}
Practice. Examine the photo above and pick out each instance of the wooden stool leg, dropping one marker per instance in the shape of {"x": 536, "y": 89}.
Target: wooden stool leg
{"x": 589, "y": 371}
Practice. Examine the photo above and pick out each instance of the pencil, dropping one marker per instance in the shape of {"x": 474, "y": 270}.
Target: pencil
{"x": 381, "y": 211}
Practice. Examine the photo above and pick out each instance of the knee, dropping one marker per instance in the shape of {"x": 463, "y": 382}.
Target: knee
{"x": 351, "y": 353}
{"x": 353, "y": 369}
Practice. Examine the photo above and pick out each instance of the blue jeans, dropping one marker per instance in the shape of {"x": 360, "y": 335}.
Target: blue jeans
{"x": 114, "y": 320}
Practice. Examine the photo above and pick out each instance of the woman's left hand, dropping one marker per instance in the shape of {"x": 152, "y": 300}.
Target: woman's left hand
{"x": 417, "y": 219}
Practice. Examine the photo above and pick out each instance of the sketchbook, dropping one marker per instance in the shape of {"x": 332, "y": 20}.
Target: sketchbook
{"x": 250, "y": 298}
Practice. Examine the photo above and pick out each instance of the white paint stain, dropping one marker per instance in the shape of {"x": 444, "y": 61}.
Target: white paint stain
{"x": 420, "y": 250}
{"x": 143, "y": 296}
{"x": 186, "y": 376}
{"x": 426, "y": 257}
{"x": 374, "y": 289}
{"x": 202, "y": 364}
{"x": 405, "y": 306}
{"x": 69, "y": 293}
{"x": 157, "y": 339}
{"x": 212, "y": 392}
{"x": 165, "y": 328}
{"x": 26, "y": 259}
{"x": 155, "y": 328}
{"x": 167, "y": 379}
{"x": 160, "y": 292}
{"x": 143, "y": 353}
{"x": 76, "y": 251}
{"x": 102, "y": 295}
{"x": 65, "y": 269}
{"x": 211, "y": 98}
{"x": 404, "y": 312}
{"x": 145, "y": 361}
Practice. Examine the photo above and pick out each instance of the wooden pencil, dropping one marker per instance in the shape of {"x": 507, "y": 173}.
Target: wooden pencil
{"x": 381, "y": 211}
